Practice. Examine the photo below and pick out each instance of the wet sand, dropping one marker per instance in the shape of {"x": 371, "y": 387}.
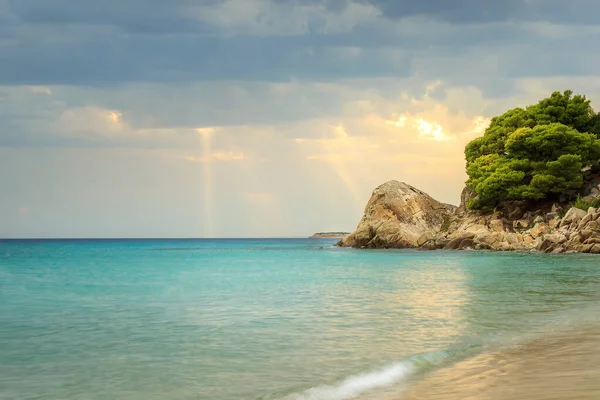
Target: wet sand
{"x": 564, "y": 366}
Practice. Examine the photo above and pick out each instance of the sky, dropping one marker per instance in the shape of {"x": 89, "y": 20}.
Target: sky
{"x": 260, "y": 118}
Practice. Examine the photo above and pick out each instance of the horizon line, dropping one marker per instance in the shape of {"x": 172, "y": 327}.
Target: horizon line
{"x": 159, "y": 238}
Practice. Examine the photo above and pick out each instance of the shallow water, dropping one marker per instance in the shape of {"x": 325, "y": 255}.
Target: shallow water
{"x": 291, "y": 319}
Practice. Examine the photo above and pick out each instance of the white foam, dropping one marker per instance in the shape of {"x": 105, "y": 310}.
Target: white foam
{"x": 356, "y": 385}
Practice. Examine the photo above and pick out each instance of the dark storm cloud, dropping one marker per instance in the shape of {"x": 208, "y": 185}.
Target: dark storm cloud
{"x": 481, "y": 11}
{"x": 455, "y": 10}
{"x": 147, "y": 16}
{"x": 83, "y": 42}
{"x": 168, "y": 58}
{"x": 161, "y": 16}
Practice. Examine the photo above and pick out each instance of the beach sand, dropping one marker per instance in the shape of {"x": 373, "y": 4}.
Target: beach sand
{"x": 563, "y": 366}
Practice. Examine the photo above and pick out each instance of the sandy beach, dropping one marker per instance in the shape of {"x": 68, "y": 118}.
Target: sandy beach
{"x": 564, "y": 366}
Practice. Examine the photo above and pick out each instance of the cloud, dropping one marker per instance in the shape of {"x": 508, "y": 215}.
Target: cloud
{"x": 268, "y": 17}
{"x": 481, "y": 11}
{"x": 277, "y": 16}
{"x": 206, "y": 131}
{"x": 257, "y": 17}
{"x": 330, "y": 157}
{"x": 229, "y": 156}
{"x": 35, "y": 118}
{"x": 90, "y": 120}
{"x": 341, "y": 140}
{"x": 242, "y": 115}
{"x": 23, "y": 210}
{"x": 147, "y": 16}
{"x": 84, "y": 42}
{"x": 219, "y": 156}
{"x": 41, "y": 90}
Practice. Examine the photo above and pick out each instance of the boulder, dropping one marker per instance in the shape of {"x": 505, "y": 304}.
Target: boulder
{"x": 512, "y": 238}
{"x": 528, "y": 239}
{"x": 546, "y": 246}
{"x": 538, "y": 230}
{"x": 515, "y": 211}
{"x": 481, "y": 246}
{"x": 593, "y": 226}
{"x": 553, "y": 223}
{"x": 587, "y": 218}
{"x": 573, "y": 215}
{"x": 429, "y": 245}
{"x": 497, "y": 225}
{"x": 521, "y": 224}
{"x": 425, "y": 237}
{"x": 470, "y": 227}
{"x": 466, "y": 195}
{"x": 467, "y": 244}
{"x": 575, "y": 236}
{"x": 586, "y": 248}
{"x": 490, "y": 239}
{"x": 454, "y": 244}
{"x": 441, "y": 243}
{"x": 555, "y": 238}
{"x": 585, "y": 234}
{"x": 397, "y": 216}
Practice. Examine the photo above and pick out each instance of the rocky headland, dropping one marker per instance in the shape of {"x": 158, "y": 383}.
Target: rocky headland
{"x": 401, "y": 216}
{"x": 329, "y": 235}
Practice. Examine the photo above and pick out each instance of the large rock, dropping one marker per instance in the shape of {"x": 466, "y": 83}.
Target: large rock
{"x": 399, "y": 216}
{"x": 466, "y": 195}
{"x": 574, "y": 215}
{"x": 538, "y": 230}
{"x": 497, "y": 225}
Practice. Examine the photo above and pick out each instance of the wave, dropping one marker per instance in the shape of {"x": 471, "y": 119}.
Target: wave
{"x": 397, "y": 376}
{"x": 354, "y": 386}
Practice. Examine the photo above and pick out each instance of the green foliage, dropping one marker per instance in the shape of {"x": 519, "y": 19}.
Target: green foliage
{"x": 584, "y": 205}
{"x": 549, "y": 142}
{"x": 594, "y": 125}
{"x": 534, "y": 153}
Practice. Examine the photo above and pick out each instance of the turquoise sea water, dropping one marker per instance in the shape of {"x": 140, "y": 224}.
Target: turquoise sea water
{"x": 265, "y": 319}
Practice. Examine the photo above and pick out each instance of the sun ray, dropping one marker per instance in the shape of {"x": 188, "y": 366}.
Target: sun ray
{"x": 342, "y": 153}
{"x": 207, "y": 220}
{"x": 341, "y": 169}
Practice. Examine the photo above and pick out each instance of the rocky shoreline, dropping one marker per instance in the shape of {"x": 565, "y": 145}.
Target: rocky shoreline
{"x": 401, "y": 216}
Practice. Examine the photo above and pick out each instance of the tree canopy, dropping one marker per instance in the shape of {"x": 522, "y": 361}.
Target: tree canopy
{"x": 534, "y": 153}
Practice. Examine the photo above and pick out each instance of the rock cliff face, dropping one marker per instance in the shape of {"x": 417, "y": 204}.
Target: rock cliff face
{"x": 400, "y": 216}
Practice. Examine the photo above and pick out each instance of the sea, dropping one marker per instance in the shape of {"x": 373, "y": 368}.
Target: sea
{"x": 293, "y": 319}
